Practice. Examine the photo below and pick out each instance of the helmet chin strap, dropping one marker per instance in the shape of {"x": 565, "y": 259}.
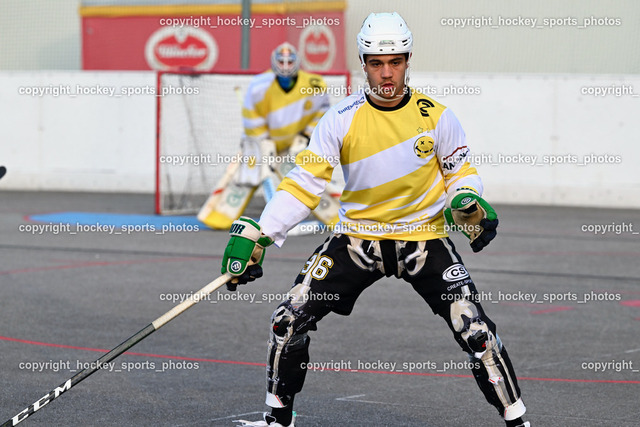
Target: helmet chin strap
{"x": 385, "y": 100}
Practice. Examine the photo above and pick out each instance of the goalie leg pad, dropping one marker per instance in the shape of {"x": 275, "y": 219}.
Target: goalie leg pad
{"x": 227, "y": 203}
{"x": 229, "y": 207}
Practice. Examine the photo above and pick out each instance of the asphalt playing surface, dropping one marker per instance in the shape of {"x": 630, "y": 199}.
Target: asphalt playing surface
{"x": 69, "y": 295}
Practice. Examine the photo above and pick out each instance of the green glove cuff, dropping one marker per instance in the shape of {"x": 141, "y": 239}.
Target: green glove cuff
{"x": 463, "y": 198}
{"x": 467, "y": 201}
{"x": 245, "y": 246}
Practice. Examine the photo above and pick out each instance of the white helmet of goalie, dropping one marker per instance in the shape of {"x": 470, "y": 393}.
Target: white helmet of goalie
{"x": 285, "y": 61}
{"x": 384, "y": 34}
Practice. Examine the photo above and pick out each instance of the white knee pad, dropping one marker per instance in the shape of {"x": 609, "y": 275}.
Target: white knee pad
{"x": 473, "y": 330}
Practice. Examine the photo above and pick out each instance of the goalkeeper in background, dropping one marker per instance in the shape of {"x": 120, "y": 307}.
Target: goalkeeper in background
{"x": 281, "y": 108}
{"x": 406, "y": 163}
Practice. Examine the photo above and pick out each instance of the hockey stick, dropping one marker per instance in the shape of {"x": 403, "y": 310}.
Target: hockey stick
{"x": 3, "y": 171}
{"x": 117, "y": 351}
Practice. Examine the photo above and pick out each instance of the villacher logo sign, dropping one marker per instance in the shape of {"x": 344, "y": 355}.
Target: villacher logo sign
{"x": 173, "y": 48}
{"x": 317, "y": 48}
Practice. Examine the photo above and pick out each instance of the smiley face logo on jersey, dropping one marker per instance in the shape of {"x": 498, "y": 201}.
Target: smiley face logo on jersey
{"x": 423, "y": 146}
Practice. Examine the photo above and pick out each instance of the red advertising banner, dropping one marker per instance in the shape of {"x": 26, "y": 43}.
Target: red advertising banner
{"x": 208, "y": 38}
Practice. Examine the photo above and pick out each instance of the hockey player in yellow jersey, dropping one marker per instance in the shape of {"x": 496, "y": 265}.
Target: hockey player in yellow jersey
{"x": 285, "y": 102}
{"x": 280, "y": 110}
{"x": 408, "y": 180}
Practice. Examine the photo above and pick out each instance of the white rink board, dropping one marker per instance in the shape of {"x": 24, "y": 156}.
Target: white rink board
{"x": 88, "y": 142}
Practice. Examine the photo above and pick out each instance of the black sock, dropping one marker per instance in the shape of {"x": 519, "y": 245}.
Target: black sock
{"x": 515, "y": 423}
{"x": 283, "y": 415}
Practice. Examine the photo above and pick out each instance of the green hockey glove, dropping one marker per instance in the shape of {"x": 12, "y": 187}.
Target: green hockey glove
{"x": 468, "y": 212}
{"x": 244, "y": 253}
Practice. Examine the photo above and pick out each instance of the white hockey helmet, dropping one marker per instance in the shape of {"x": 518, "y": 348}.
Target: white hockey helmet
{"x": 384, "y": 34}
{"x": 285, "y": 61}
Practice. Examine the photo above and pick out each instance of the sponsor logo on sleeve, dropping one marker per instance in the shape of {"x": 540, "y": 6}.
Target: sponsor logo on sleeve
{"x": 459, "y": 156}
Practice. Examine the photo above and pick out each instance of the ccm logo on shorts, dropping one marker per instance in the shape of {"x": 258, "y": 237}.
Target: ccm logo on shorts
{"x": 455, "y": 273}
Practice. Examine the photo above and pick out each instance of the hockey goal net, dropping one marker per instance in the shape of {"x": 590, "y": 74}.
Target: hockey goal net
{"x": 199, "y": 126}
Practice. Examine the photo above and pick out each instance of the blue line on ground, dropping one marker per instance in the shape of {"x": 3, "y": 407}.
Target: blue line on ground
{"x": 116, "y": 219}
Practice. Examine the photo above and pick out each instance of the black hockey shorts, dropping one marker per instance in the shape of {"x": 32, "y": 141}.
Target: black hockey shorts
{"x": 344, "y": 266}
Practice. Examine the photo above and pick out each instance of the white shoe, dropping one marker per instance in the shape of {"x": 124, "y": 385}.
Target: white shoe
{"x": 264, "y": 423}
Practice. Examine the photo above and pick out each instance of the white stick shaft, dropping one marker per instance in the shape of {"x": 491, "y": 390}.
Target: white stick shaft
{"x": 191, "y": 300}
{"x": 117, "y": 351}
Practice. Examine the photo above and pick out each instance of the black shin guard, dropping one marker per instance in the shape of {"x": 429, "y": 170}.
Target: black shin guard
{"x": 286, "y": 375}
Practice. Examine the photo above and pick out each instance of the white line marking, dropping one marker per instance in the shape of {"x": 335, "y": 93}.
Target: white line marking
{"x": 578, "y": 418}
{"x": 351, "y": 399}
{"x": 201, "y": 422}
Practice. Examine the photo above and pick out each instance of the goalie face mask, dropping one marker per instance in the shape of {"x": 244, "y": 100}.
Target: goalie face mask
{"x": 285, "y": 61}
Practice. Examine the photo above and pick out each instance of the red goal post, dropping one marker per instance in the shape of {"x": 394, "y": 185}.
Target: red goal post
{"x": 198, "y": 131}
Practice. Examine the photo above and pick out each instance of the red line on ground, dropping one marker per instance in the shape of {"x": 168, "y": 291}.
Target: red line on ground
{"x": 573, "y": 380}
{"x": 361, "y": 371}
{"x": 518, "y": 304}
{"x": 543, "y": 311}
{"x": 560, "y": 253}
{"x": 426, "y": 374}
{"x": 631, "y": 303}
{"x": 101, "y": 350}
{"x": 602, "y": 291}
{"x": 97, "y": 264}
{"x": 552, "y": 310}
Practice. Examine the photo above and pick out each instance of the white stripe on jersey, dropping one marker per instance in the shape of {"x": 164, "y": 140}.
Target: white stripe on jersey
{"x": 257, "y": 89}
{"x": 375, "y": 170}
{"x": 288, "y": 115}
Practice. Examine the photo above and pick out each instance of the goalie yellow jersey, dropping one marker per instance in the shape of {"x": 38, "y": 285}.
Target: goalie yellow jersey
{"x": 271, "y": 112}
{"x": 398, "y": 164}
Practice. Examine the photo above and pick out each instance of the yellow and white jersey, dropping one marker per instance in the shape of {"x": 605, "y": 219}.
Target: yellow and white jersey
{"x": 398, "y": 164}
{"x": 271, "y": 112}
